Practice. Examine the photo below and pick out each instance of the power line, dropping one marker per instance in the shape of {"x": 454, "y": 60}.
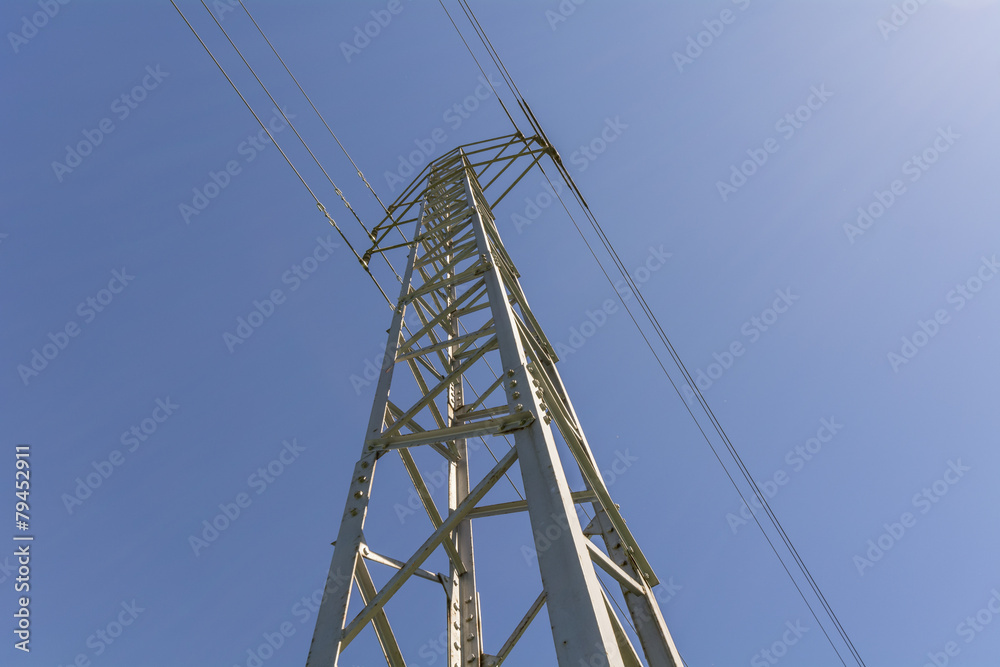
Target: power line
{"x": 487, "y": 78}
{"x": 335, "y": 138}
{"x": 309, "y": 99}
{"x": 698, "y": 425}
{"x": 285, "y": 116}
{"x": 609, "y": 247}
{"x": 316, "y": 199}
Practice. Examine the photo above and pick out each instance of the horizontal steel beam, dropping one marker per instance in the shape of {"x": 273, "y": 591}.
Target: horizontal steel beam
{"x": 462, "y": 431}
{"x": 397, "y": 564}
{"x": 522, "y": 505}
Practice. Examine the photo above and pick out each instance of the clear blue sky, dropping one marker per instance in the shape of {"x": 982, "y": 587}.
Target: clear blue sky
{"x": 737, "y": 168}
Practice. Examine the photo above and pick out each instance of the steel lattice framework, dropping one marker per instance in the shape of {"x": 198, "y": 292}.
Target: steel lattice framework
{"x": 462, "y": 321}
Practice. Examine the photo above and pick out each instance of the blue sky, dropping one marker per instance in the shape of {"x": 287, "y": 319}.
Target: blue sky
{"x": 736, "y": 167}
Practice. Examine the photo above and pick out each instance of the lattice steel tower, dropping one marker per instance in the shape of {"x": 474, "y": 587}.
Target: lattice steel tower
{"x": 462, "y": 322}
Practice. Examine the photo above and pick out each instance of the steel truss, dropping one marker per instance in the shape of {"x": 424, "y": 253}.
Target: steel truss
{"x": 462, "y": 318}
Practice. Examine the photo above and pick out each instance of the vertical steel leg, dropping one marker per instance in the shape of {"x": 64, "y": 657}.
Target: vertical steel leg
{"x": 581, "y": 627}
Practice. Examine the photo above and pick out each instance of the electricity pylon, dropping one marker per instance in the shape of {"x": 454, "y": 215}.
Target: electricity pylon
{"x": 462, "y": 321}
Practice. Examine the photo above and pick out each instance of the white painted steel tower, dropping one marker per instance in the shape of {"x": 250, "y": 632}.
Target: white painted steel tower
{"x": 462, "y": 324}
